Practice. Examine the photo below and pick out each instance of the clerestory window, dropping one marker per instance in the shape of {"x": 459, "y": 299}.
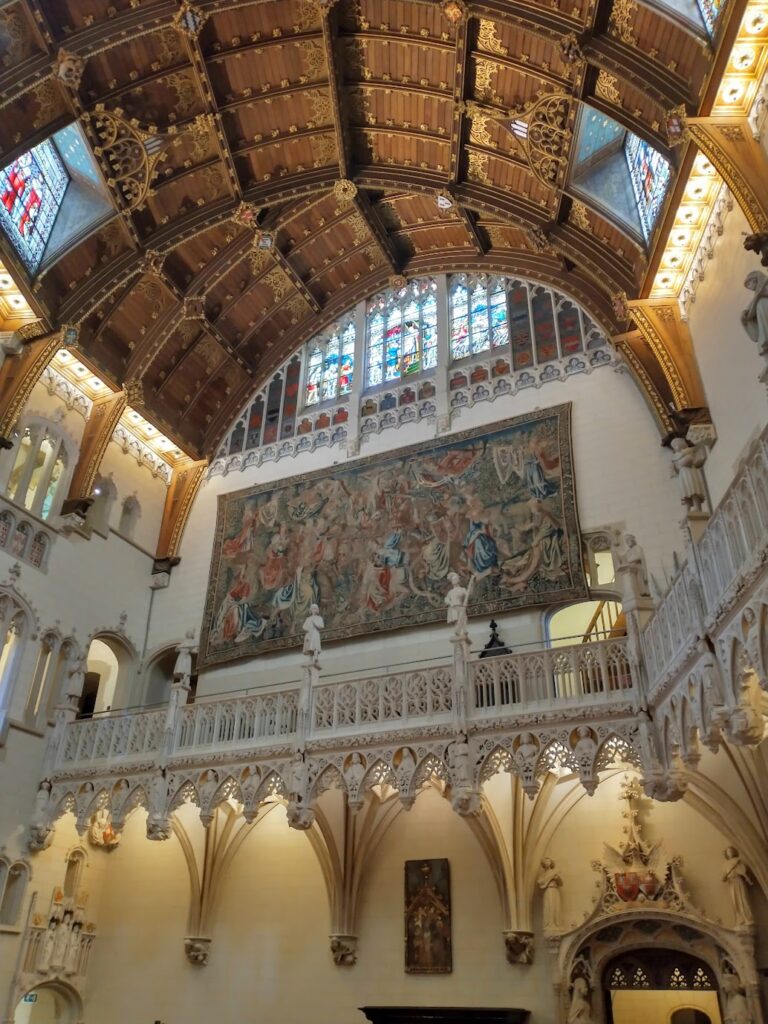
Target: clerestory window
{"x": 330, "y": 364}
{"x": 401, "y": 332}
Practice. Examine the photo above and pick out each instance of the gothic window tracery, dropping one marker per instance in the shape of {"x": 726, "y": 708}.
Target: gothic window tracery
{"x": 40, "y": 466}
{"x": 478, "y": 315}
{"x": 330, "y": 365}
{"x": 402, "y": 332}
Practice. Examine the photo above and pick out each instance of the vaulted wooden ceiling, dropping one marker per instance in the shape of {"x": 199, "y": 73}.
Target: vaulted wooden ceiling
{"x": 332, "y": 126}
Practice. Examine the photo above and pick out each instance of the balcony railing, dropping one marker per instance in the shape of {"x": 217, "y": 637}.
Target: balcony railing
{"x": 374, "y": 705}
{"x": 733, "y": 544}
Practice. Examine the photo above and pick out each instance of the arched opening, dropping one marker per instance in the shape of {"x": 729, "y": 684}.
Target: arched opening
{"x": 109, "y": 668}
{"x": 73, "y": 875}
{"x": 53, "y": 1003}
{"x": 160, "y": 677}
{"x": 38, "y": 477}
{"x": 586, "y": 621}
{"x": 660, "y": 985}
{"x": 13, "y": 885}
{"x": 104, "y": 495}
{"x": 130, "y": 513}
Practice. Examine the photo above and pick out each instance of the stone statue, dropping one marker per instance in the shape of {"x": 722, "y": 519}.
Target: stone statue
{"x": 10, "y": 345}
{"x": 61, "y": 941}
{"x": 456, "y": 601}
{"x": 72, "y": 955}
{"x": 45, "y": 953}
{"x": 550, "y": 883}
{"x": 585, "y": 747}
{"x": 631, "y": 558}
{"x": 458, "y": 755}
{"x": 580, "y": 1011}
{"x": 312, "y": 626}
{"x": 353, "y": 774}
{"x": 735, "y": 1006}
{"x": 736, "y": 874}
{"x": 182, "y": 670}
{"x": 40, "y": 829}
{"x": 76, "y": 677}
{"x": 687, "y": 462}
{"x": 754, "y": 318}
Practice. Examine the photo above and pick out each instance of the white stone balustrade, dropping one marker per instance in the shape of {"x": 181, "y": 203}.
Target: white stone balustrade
{"x": 552, "y": 677}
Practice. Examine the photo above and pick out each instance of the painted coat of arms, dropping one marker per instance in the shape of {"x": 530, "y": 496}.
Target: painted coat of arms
{"x": 372, "y": 543}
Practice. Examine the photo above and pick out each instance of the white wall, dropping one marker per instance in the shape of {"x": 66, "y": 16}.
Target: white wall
{"x": 622, "y": 477}
{"x": 270, "y": 930}
{"x": 728, "y": 359}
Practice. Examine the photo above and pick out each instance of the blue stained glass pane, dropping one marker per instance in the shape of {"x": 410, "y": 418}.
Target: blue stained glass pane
{"x": 459, "y": 337}
{"x": 429, "y": 347}
{"x": 650, "y": 175}
{"x": 31, "y": 192}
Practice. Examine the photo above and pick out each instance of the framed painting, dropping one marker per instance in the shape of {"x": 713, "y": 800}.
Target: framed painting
{"x": 372, "y": 542}
{"x": 428, "y": 917}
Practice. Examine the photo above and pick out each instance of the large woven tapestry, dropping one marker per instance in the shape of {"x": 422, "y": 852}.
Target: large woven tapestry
{"x": 372, "y": 543}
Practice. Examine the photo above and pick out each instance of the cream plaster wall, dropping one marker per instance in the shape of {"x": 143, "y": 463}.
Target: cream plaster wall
{"x": 270, "y": 931}
{"x": 658, "y": 1007}
{"x": 622, "y": 478}
{"x": 728, "y": 360}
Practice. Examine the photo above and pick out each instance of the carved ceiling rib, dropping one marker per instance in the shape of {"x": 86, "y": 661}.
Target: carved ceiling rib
{"x": 378, "y": 231}
{"x": 335, "y": 86}
{"x": 464, "y": 38}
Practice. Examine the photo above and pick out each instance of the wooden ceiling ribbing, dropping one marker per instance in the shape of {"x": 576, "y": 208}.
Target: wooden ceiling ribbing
{"x": 262, "y": 108}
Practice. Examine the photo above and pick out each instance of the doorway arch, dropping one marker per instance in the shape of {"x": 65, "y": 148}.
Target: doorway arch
{"x": 52, "y": 1002}
{"x": 663, "y": 985}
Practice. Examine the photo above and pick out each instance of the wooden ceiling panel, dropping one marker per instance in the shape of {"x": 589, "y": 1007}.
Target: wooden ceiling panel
{"x": 271, "y": 104}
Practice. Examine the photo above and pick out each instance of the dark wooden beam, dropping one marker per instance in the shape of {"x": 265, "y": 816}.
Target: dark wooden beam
{"x": 378, "y": 231}
{"x": 461, "y": 68}
{"x": 336, "y": 87}
{"x": 298, "y": 283}
{"x": 468, "y": 223}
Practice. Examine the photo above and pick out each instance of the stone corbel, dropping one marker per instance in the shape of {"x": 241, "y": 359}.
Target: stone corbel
{"x": 344, "y": 950}
{"x": 519, "y": 947}
{"x": 197, "y": 949}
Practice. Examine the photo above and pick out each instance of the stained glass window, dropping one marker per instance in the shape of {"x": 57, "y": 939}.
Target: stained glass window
{"x": 710, "y": 10}
{"x": 31, "y": 192}
{"x": 402, "y": 332}
{"x": 478, "y": 315}
{"x": 650, "y": 175}
{"x": 330, "y": 365}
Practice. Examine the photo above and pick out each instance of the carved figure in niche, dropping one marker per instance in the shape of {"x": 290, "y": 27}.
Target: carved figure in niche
{"x": 207, "y": 787}
{"x": 580, "y": 1011}
{"x": 736, "y": 1010}
{"x": 458, "y": 757}
{"x": 687, "y": 462}
{"x": 72, "y": 955}
{"x": 736, "y": 874}
{"x": 312, "y": 626}
{"x": 61, "y": 941}
{"x": 407, "y": 765}
{"x": 46, "y": 946}
{"x": 585, "y": 747}
{"x": 182, "y": 670}
{"x": 550, "y": 883}
{"x": 353, "y": 774}
{"x": 630, "y": 556}
{"x": 754, "y": 318}
{"x": 456, "y": 600}
{"x": 297, "y": 778}
{"x": 76, "y": 677}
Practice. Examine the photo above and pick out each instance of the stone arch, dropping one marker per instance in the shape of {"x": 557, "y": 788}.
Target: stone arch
{"x": 68, "y": 994}
{"x": 115, "y": 688}
{"x": 589, "y": 949}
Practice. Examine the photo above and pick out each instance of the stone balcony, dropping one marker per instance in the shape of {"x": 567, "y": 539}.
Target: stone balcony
{"x": 693, "y": 669}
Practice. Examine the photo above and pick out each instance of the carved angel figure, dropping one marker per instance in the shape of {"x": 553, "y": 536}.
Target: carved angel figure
{"x": 580, "y": 1011}
{"x": 737, "y": 875}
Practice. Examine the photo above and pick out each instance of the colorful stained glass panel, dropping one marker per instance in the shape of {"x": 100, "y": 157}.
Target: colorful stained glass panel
{"x": 31, "y": 193}
{"x": 650, "y": 175}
